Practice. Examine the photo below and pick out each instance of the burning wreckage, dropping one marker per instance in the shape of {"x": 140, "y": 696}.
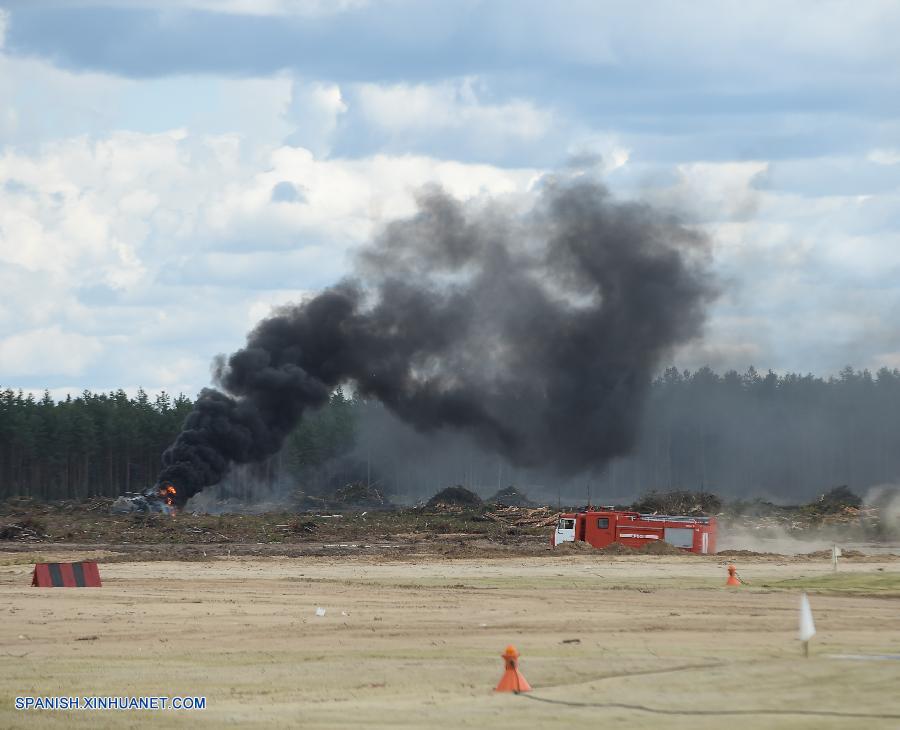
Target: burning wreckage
{"x": 157, "y": 499}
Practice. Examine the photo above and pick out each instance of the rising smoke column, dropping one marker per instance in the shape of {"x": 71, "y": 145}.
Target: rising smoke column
{"x": 536, "y": 332}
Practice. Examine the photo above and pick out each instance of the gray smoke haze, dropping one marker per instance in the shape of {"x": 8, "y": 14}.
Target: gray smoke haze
{"x": 411, "y": 465}
{"x": 534, "y": 332}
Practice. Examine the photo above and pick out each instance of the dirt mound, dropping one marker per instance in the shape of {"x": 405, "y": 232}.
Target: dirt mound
{"x": 853, "y": 554}
{"x": 511, "y": 497}
{"x": 826, "y": 554}
{"x": 741, "y": 554}
{"x": 817, "y": 555}
{"x": 617, "y": 548}
{"x": 661, "y": 547}
{"x": 457, "y": 496}
{"x": 576, "y": 546}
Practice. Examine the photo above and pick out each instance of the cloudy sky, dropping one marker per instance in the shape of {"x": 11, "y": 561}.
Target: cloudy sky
{"x": 170, "y": 170}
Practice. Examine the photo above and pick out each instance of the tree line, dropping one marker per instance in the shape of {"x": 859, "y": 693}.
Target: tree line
{"x": 89, "y": 445}
{"x": 107, "y": 444}
{"x": 737, "y": 434}
{"x": 789, "y": 437}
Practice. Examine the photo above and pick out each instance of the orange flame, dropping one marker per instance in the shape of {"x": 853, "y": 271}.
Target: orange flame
{"x": 168, "y": 494}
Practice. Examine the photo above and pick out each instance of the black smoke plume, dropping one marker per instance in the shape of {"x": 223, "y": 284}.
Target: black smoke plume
{"x": 536, "y": 332}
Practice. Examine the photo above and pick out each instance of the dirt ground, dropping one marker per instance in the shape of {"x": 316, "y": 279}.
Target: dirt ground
{"x": 415, "y": 641}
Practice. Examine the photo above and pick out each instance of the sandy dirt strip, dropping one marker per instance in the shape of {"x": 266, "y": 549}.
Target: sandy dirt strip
{"x": 416, "y": 643}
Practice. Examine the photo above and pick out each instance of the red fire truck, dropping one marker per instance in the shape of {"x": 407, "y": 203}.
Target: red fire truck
{"x": 602, "y": 527}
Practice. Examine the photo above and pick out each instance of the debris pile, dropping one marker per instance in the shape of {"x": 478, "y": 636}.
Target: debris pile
{"x": 299, "y": 527}
{"x": 511, "y": 497}
{"x": 359, "y": 494}
{"x": 837, "y": 500}
{"x": 135, "y": 503}
{"x": 837, "y": 507}
{"x": 785, "y": 522}
{"x": 27, "y": 528}
{"x": 454, "y": 499}
{"x": 850, "y": 516}
{"x": 523, "y": 516}
{"x": 351, "y": 497}
{"x": 678, "y": 502}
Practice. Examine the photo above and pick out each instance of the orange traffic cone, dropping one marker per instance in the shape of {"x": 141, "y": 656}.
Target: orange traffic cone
{"x": 512, "y": 679}
{"x": 733, "y": 579}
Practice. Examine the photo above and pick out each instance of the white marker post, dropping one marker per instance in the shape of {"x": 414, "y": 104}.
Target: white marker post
{"x": 835, "y": 554}
{"x": 807, "y": 627}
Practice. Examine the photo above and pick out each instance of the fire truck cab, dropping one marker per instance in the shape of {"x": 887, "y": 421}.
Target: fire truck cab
{"x": 565, "y": 530}
{"x": 606, "y": 526}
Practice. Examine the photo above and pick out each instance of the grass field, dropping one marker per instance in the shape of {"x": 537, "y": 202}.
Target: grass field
{"x": 415, "y": 642}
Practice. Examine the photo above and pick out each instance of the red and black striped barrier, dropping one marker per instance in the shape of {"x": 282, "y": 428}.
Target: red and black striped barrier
{"x": 84, "y": 574}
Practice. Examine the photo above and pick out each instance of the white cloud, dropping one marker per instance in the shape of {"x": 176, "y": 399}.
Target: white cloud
{"x": 403, "y": 109}
{"x": 807, "y": 278}
{"x": 300, "y": 8}
{"x": 314, "y": 111}
{"x": 40, "y": 101}
{"x": 43, "y": 103}
{"x": 885, "y": 156}
{"x": 47, "y": 351}
{"x": 164, "y": 247}
{"x": 710, "y": 191}
{"x": 303, "y": 8}
{"x": 160, "y": 250}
